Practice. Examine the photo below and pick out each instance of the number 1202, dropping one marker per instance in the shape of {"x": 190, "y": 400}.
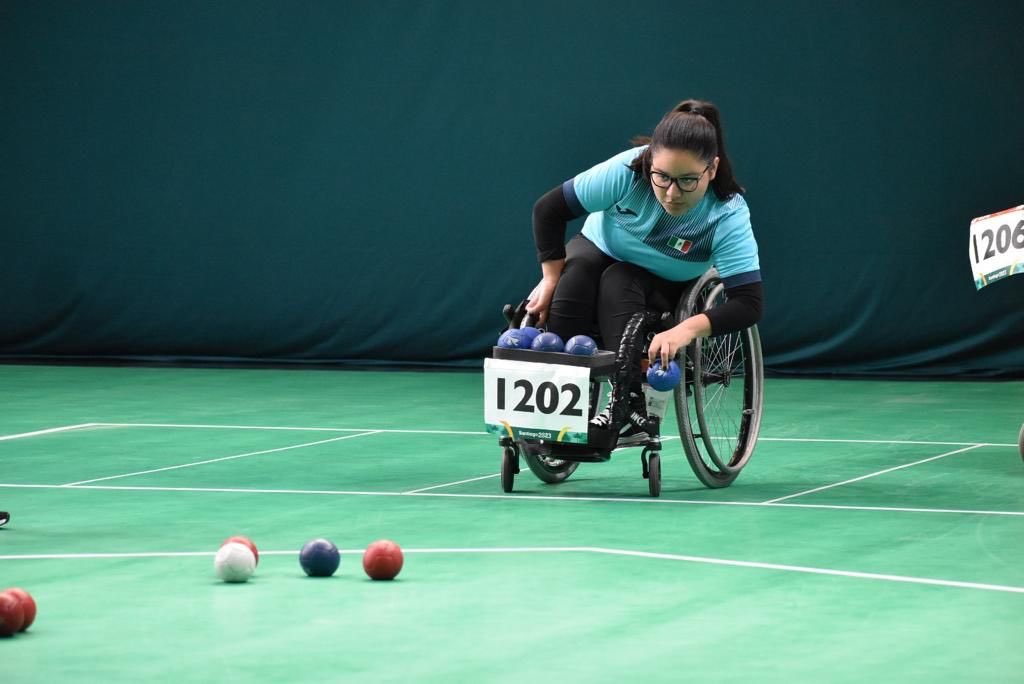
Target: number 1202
{"x": 547, "y": 397}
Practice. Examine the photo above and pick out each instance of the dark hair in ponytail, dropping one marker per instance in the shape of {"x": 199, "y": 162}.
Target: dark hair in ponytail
{"x": 694, "y": 126}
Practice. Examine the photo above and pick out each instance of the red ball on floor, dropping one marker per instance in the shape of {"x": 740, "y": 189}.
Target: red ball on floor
{"x": 245, "y": 541}
{"x": 12, "y": 616}
{"x": 382, "y": 560}
{"x": 28, "y": 606}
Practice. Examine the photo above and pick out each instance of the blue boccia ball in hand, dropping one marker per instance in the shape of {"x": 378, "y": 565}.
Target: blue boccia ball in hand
{"x": 581, "y": 345}
{"x": 663, "y": 379}
{"x": 319, "y": 558}
{"x": 515, "y": 338}
{"x": 548, "y": 342}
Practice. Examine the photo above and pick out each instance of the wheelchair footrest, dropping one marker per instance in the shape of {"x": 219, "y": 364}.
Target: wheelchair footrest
{"x": 599, "y": 438}
{"x": 583, "y": 453}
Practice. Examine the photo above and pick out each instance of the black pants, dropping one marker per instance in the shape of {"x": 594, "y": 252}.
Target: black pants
{"x": 598, "y": 294}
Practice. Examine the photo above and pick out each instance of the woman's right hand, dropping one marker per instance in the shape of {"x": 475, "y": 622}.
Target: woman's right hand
{"x": 539, "y": 300}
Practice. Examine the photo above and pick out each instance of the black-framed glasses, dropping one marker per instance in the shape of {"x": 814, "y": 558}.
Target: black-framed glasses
{"x": 687, "y": 183}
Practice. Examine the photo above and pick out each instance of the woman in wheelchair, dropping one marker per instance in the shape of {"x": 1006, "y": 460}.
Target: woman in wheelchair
{"x": 652, "y": 227}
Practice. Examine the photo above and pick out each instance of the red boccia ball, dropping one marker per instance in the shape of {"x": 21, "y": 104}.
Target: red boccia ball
{"x": 245, "y": 541}
{"x": 12, "y": 616}
{"x": 382, "y": 560}
{"x": 28, "y": 606}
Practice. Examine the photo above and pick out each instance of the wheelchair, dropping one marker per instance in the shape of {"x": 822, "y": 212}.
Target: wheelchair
{"x": 718, "y": 402}
{"x": 1020, "y": 442}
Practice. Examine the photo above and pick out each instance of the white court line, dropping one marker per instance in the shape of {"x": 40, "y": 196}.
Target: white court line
{"x": 817, "y": 571}
{"x": 487, "y": 477}
{"x": 200, "y": 426}
{"x": 203, "y": 426}
{"x": 697, "y": 502}
{"x": 215, "y": 460}
{"x": 452, "y": 484}
{"x": 519, "y": 497}
{"x": 474, "y": 433}
{"x": 47, "y": 432}
{"x": 880, "y": 472}
{"x": 853, "y": 574}
{"x": 877, "y": 441}
{"x": 186, "y": 554}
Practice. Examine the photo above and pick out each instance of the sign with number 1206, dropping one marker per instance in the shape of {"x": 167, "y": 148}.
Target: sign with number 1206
{"x": 997, "y": 246}
{"x": 536, "y": 401}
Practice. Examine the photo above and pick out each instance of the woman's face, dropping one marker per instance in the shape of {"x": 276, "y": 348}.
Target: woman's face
{"x": 671, "y": 169}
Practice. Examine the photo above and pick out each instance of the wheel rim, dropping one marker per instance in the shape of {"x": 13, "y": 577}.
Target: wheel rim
{"x": 547, "y": 468}
{"x": 724, "y": 392}
{"x": 555, "y": 465}
{"x": 1020, "y": 441}
{"x": 720, "y": 410}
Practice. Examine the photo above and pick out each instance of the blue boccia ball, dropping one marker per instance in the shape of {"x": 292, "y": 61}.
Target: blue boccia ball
{"x": 581, "y": 345}
{"x": 319, "y": 558}
{"x": 531, "y": 333}
{"x": 515, "y": 338}
{"x": 548, "y": 342}
{"x": 663, "y": 379}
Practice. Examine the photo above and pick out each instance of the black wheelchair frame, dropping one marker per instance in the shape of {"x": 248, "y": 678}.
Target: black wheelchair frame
{"x": 718, "y": 425}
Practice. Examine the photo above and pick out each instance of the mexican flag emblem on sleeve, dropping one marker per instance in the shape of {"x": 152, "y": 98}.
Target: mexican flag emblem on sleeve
{"x": 679, "y": 244}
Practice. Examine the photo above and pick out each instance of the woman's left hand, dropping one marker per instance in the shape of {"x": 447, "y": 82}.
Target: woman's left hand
{"x": 666, "y": 345}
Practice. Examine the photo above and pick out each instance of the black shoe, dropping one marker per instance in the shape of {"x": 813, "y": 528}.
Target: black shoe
{"x": 4, "y": 517}
{"x": 633, "y": 431}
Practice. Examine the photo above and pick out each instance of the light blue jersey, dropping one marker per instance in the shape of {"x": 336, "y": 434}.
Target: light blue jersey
{"x": 627, "y": 223}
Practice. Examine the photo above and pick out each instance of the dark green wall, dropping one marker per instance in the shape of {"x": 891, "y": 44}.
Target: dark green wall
{"x": 334, "y": 180}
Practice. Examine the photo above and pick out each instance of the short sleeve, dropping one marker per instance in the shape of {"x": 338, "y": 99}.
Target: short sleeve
{"x": 600, "y": 187}
{"x": 734, "y": 252}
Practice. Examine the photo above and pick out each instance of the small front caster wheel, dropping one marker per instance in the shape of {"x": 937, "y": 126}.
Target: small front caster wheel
{"x": 509, "y": 467}
{"x": 654, "y": 474}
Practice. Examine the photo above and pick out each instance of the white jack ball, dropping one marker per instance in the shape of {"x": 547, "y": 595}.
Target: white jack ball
{"x": 234, "y": 562}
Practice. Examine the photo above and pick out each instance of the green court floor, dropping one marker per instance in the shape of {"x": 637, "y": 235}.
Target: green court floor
{"x": 875, "y": 536}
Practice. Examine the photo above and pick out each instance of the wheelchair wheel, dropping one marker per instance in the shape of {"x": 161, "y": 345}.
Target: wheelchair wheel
{"x": 546, "y": 468}
{"x": 719, "y": 403}
{"x": 654, "y": 474}
{"x": 509, "y": 468}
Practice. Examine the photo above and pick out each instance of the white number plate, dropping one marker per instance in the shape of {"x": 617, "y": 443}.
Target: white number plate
{"x": 997, "y": 246}
{"x": 536, "y": 400}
